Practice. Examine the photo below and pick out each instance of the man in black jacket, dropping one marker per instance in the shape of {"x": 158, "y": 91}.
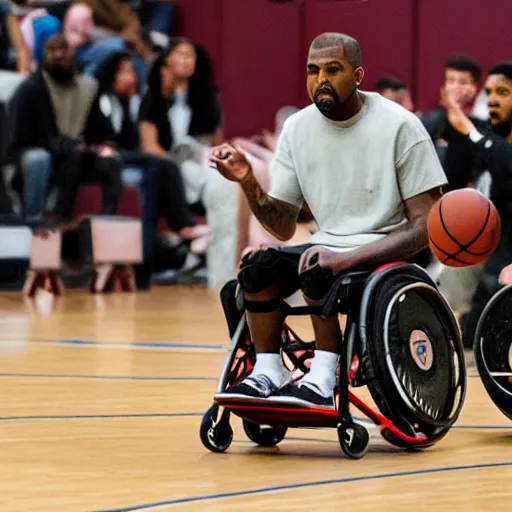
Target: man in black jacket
{"x": 56, "y": 120}
{"x": 462, "y": 76}
{"x": 493, "y": 150}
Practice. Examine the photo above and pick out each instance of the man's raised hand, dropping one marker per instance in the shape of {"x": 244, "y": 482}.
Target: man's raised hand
{"x": 232, "y": 164}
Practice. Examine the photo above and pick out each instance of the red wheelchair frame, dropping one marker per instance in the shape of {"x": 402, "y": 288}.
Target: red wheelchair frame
{"x": 216, "y": 434}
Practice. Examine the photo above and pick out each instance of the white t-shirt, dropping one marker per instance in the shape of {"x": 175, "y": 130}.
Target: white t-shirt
{"x": 355, "y": 174}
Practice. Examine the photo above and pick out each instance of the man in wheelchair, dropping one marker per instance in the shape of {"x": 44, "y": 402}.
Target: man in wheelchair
{"x": 370, "y": 175}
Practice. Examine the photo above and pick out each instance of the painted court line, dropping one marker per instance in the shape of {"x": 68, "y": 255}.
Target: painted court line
{"x": 113, "y": 377}
{"x": 281, "y": 488}
{"x": 104, "y": 377}
{"x": 101, "y": 416}
{"x": 119, "y": 416}
{"x": 46, "y": 417}
{"x": 137, "y": 345}
{"x": 149, "y": 345}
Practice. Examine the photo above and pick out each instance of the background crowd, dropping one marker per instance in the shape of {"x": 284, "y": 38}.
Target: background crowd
{"x": 101, "y": 92}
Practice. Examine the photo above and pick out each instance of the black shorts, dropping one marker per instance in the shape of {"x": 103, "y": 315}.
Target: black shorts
{"x": 281, "y": 265}
{"x": 284, "y": 262}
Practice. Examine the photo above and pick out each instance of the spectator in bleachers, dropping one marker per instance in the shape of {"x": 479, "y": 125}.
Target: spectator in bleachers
{"x": 90, "y": 46}
{"x": 37, "y": 25}
{"x": 116, "y": 17}
{"x": 493, "y": 147}
{"x": 462, "y": 76}
{"x": 14, "y": 54}
{"x": 78, "y": 29}
{"x": 194, "y": 93}
{"x": 78, "y": 26}
{"x": 61, "y": 137}
{"x": 180, "y": 112}
{"x": 179, "y": 118}
{"x": 162, "y": 184}
{"x": 395, "y": 90}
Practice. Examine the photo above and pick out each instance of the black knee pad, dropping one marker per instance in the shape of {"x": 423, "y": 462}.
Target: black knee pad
{"x": 258, "y": 270}
{"x": 316, "y": 282}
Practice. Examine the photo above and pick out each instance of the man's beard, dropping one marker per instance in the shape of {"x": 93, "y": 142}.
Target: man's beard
{"x": 502, "y": 129}
{"x": 63, "y": 75}
{"x": 329, "y": 106}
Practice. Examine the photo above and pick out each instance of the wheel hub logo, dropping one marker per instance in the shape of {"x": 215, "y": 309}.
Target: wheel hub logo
{"x": 421, "y": 350}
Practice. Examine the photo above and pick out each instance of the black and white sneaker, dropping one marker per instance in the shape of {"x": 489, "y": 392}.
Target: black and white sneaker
{"x": 258, "y": 387}
{"x": 303, "y": 394}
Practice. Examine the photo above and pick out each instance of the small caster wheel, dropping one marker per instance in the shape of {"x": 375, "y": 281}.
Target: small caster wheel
{"x": 216, "y": 435}
{"x": 354, "y": 439}
{"x": 264, "y": 436}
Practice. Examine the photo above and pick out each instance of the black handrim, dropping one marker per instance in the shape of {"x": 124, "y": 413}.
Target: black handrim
{"x": 387, "y": 392}
{"x": 421, "y": 354}
{"x": 493, "y": 349}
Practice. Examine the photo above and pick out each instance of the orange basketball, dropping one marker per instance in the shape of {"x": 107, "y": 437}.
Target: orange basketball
{"x": 464, "y": 228}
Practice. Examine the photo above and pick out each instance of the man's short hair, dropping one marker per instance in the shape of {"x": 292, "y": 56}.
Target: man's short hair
{"x": 464, "y": 63}
{"x": 388, "y": 82}
{"x": 502, "y": 68}
{"x": 336, "y": 39}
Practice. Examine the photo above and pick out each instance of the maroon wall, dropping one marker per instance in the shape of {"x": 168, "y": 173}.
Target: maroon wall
{"x": 259, "y": 48}
{"x": 260, "y": 62}
{"x": 480, "y": 28}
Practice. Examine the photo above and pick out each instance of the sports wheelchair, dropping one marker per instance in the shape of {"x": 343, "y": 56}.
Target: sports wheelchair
{"x": 401, "y": 341}
{"x": 493, "y": 349}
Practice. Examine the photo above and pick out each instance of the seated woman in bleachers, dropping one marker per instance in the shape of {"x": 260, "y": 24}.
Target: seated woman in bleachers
{"x": 162, "y": 184}
{"x": 188, "y": 116}
{"x": 179, "y": 119}
{"x": 195, "y": 92}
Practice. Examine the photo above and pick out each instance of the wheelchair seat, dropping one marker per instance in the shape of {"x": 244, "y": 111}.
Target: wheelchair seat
{"x": 349, "y": 290}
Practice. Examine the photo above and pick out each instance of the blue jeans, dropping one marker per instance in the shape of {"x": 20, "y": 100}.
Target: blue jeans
{"x": 162, "y": 193}
{"x": 36, "y": 168}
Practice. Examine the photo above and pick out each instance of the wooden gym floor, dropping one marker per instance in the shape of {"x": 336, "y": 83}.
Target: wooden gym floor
{"x": 101, "y": 401}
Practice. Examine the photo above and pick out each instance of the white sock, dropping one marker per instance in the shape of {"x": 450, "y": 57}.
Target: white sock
{"x": 323, "y": 372}
{"x": 271, "y": 365}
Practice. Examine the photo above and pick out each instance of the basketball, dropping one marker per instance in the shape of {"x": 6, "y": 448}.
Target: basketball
{"x": 464, "y": 228}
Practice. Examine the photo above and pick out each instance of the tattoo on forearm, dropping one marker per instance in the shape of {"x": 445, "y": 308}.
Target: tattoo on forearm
{"x": 277, "y": 217}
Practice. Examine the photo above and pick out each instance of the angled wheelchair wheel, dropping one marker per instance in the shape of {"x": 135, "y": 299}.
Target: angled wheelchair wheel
{"x": 216, "y": 433}
{"x": 493, "y": 349}
{"x": 416, "y": 368}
